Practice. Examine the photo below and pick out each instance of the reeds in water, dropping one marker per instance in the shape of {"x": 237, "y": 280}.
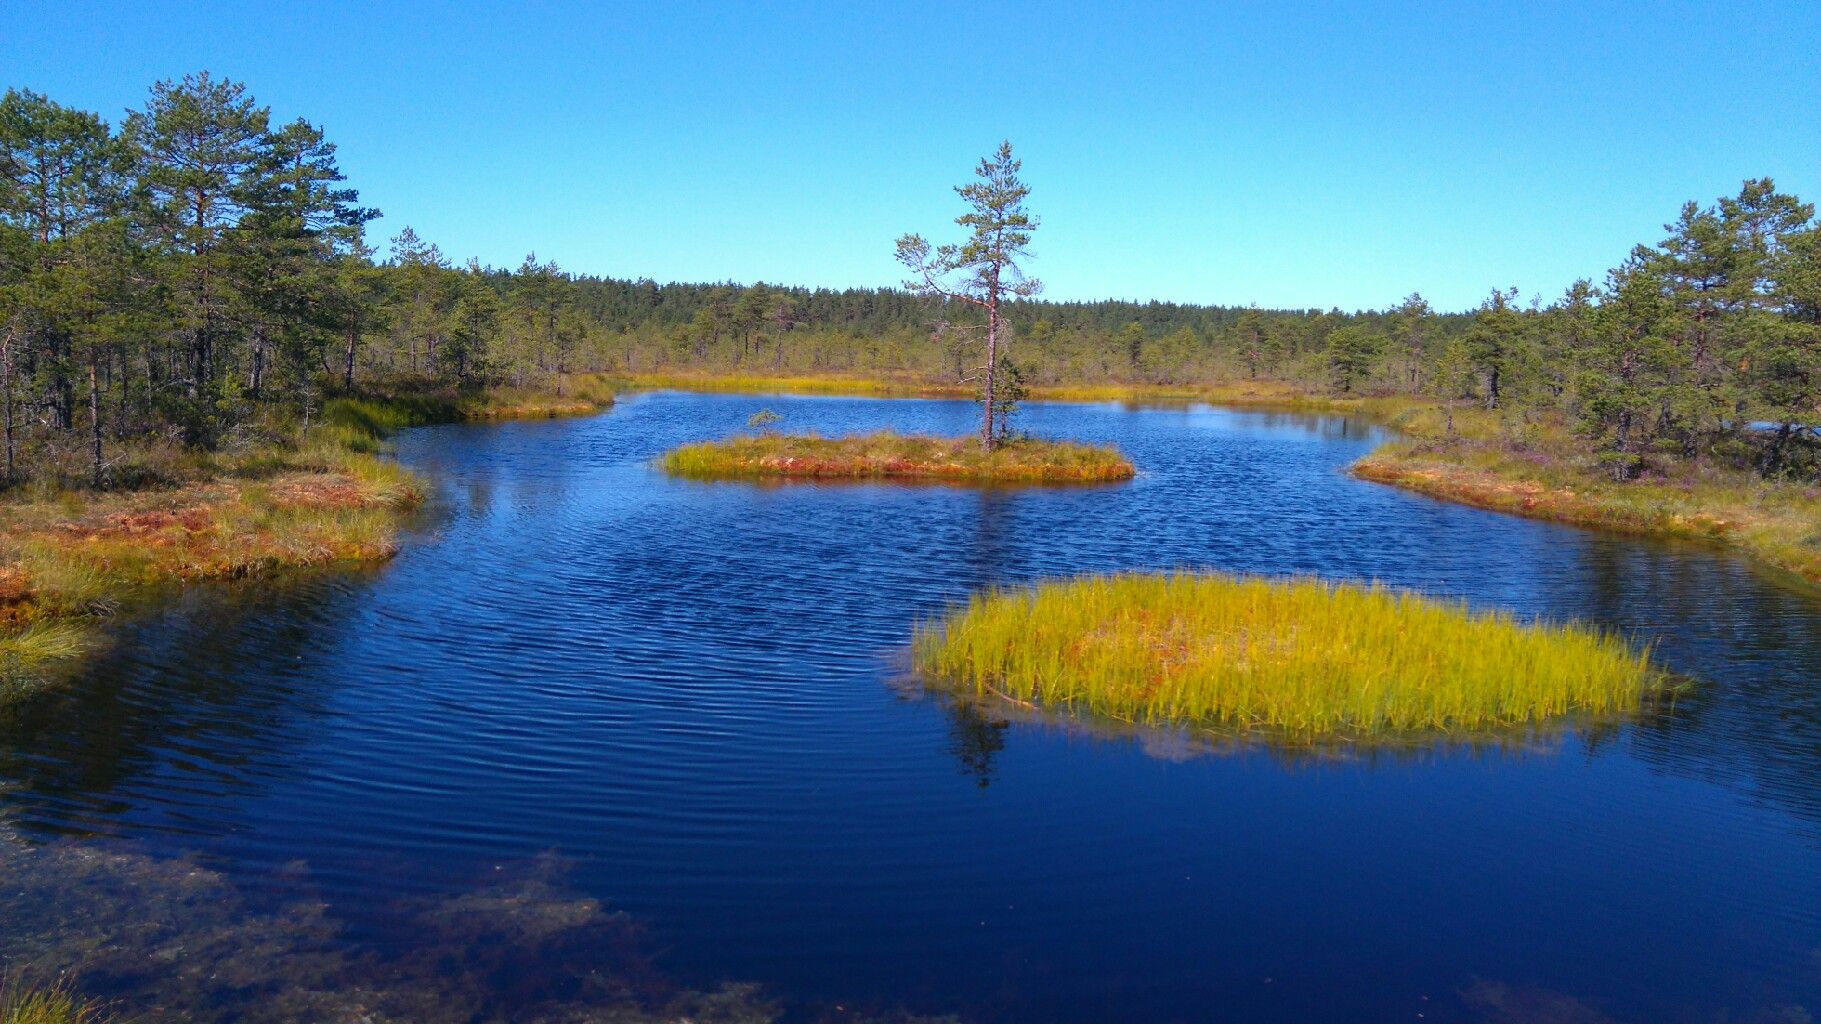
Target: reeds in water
{"x": 53, "y": 1004}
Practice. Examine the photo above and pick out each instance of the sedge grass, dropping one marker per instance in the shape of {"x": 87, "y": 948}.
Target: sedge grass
{"x": 878, "y": 386}
{"x": 295, "y": 497}
{"x": 1302, "y": 657}
{"x": 886, "y": 454}
{"x": 52, "y": 1004}
{"x": 1779, "y": 523}
{"x": 1270, "y": 394}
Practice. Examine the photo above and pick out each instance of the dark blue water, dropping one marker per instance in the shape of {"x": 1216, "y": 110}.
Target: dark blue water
{"x": 693, "y": 696}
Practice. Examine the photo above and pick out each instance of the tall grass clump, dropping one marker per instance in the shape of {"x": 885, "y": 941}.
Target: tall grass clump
{"x": 1303, "y": 657}
{"x": 890, "y": 455}
{"x": 54, "y": 1004}
{"x": 42, "y": 641}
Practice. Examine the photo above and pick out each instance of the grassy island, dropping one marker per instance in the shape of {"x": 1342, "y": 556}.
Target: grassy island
{"x": 1303, "y": 657}
{"x": 908, "y": 456}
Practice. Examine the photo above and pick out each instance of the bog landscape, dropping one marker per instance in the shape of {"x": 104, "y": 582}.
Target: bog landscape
{"x": 387, "y": 635}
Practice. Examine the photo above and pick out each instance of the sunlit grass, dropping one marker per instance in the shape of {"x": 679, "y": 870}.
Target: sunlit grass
{"x": 36, "y": 655}
{"x": 1302, "y": 657}
{"x": 54, "y": 1004}
{"x": 378, "y": 416}
{"x": 898, "y": 386}
{"x": 291, "y": 496}
{"x": 1553, "y": 477}
{"x": 1262, "y": 393}
{"x": 890, "y": 455}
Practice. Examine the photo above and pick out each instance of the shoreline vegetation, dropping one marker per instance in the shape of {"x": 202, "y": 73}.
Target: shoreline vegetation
{"x": 1778, "y": 525}
{"x": 1527, "y": 464}
{"x": 1538, "y": 467}
{"x": 888, "y": 455}
{"x": 172, "y": 342}
{"x": 284, "y": 497}
{"x": 1269, "y": 394}
{"x": 1303, "y": 659}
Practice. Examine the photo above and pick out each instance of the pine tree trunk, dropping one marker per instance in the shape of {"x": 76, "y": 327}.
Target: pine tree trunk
{"x": 256, "y": 373}
{"x": 992, "y": 367}
{"x": 95, "y": 413}
{"x": 6, "y": 387}
{"x": 347, "y": 373}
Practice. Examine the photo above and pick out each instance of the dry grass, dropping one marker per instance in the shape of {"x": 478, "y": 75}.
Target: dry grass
{"x": 1531, "y": 466}
{"x": 67, "y": 561}
{"x": 1539, "y": 470}
{"x": 1261, "y": 393}
{"x": 1302, "y": 657}
{"x": 898, "y": 386}
{"x": 890, "y": 455}
{"x": 281, "y": 499}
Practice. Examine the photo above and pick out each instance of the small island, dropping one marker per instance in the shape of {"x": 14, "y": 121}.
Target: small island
{"x": 1303, "y": 658}
{"x": 898, "y": 456}
{"x": 887, "y": 454}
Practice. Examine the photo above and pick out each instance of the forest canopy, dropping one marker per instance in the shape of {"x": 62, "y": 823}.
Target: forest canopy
{"x": 201, "y": 270}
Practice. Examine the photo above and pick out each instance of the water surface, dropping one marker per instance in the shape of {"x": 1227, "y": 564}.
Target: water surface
{"x": 687, "y": 701}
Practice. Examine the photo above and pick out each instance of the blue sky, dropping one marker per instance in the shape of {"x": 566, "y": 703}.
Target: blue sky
{"x": 1289, "y": 156}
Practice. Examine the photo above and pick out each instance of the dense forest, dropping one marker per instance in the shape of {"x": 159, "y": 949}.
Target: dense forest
{"x": 200, "y": 271}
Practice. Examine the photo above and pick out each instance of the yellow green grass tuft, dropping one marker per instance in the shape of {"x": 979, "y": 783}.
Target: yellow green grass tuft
{"x": 901, "y": 456}
{"x": 1302, "y": 657}
{"x": 44, "y": 641}
{"x": 53, "y": 1004}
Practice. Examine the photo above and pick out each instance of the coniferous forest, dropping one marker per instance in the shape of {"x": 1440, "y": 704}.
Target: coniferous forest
{"x": 200, "y": 269}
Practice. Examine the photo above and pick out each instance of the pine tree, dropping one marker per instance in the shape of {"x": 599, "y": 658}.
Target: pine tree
{"x": 984, "y": 270}
{"x": 203, "y": 145}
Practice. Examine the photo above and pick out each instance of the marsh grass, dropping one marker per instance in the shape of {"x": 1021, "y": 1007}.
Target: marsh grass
{"x": 285, "y": 495}
{"x": 881, "y": 386}
{"x": 1302, "y": 658}
{"x": 886, "y": 454}
{"x": 44, "y": 640}
{"x": 53, "y": 1004}
{"x": 1540, "y": 471}
{"x": 64, "y": 569}
{"x": 1269, "y": 394}
{"x": 381, "y": 414}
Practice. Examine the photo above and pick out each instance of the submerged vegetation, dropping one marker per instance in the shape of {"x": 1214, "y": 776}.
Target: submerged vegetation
{"x": 1305, "y": 658}
{"x": 887, "y": 454}
{"x": 172, "y": 939}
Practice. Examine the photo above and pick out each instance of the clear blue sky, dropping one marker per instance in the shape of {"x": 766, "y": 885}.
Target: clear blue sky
{"x": 1206, "y": 152}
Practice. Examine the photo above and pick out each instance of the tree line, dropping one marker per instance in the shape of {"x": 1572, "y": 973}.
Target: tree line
{"x": 200, "y": 272}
